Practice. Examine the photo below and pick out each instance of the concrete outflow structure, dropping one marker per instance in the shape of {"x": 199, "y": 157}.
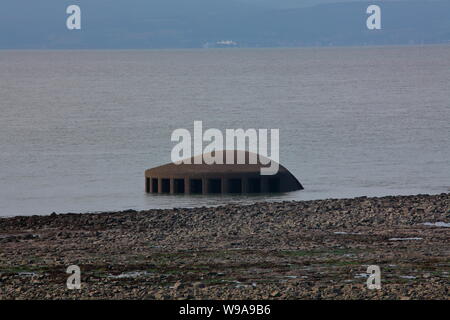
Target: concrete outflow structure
{"x": 218, "y": 178}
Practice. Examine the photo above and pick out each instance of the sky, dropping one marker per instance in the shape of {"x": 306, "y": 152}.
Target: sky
{"x": 26, "y": 24}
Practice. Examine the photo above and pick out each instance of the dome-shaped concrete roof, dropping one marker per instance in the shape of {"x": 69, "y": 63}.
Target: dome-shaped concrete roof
{"x": 204, "y": 168}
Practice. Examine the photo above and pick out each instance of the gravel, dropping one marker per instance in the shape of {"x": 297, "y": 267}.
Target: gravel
{"x": 281, "y": 250}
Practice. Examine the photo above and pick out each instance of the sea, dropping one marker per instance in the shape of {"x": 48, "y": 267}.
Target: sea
{"x": 79, "y": 128}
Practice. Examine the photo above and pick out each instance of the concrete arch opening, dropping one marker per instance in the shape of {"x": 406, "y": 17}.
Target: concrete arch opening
{"x": 274, "y": 185}
{"x": 178, "y": 186}
{"x": 235, "y": 185}
{"x": 214, "y": 186}
{"x": 154, "y": 185}
{"x": 254, "y": 185}
{"x": 165, "y": 185}
{"x": 196, "y": 186}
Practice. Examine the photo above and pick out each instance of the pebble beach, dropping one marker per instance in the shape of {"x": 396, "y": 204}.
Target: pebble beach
{"x": 317, "y": 249}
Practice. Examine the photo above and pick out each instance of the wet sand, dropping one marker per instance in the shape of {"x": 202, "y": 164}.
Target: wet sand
{"x": 287, "y": 250}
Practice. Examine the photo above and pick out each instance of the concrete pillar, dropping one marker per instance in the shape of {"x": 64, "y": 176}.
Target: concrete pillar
{"x": 244, "y": 185}
{"x": 204, "y": 185}
{"x": 264, "y": 184}
{"x": 172, "y": 186}
{"x": 159, "y": 185}
{"x": 187, "y": 185}
{"x": 224, "y": 185}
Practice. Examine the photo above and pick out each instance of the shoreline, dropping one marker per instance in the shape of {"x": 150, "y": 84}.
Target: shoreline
{"x": 247, "y": 202}
{"x": 315, "y": 249}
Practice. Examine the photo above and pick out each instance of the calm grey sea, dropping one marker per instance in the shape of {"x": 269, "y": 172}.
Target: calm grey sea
{"x": 78, "y": 128}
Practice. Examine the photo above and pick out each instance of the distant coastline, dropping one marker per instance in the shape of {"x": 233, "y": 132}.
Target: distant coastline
{"x": 199, "y": 49}
{"x": 137, "y": 24}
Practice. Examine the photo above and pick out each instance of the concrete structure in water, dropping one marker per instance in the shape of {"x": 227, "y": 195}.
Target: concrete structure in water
{"x": 218, "y": 178}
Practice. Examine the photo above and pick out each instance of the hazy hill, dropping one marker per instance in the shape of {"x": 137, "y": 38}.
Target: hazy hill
{"x": 197, "y": 23}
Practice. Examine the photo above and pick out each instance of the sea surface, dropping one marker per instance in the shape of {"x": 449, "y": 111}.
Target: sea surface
{"x": 78, "y": 128}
